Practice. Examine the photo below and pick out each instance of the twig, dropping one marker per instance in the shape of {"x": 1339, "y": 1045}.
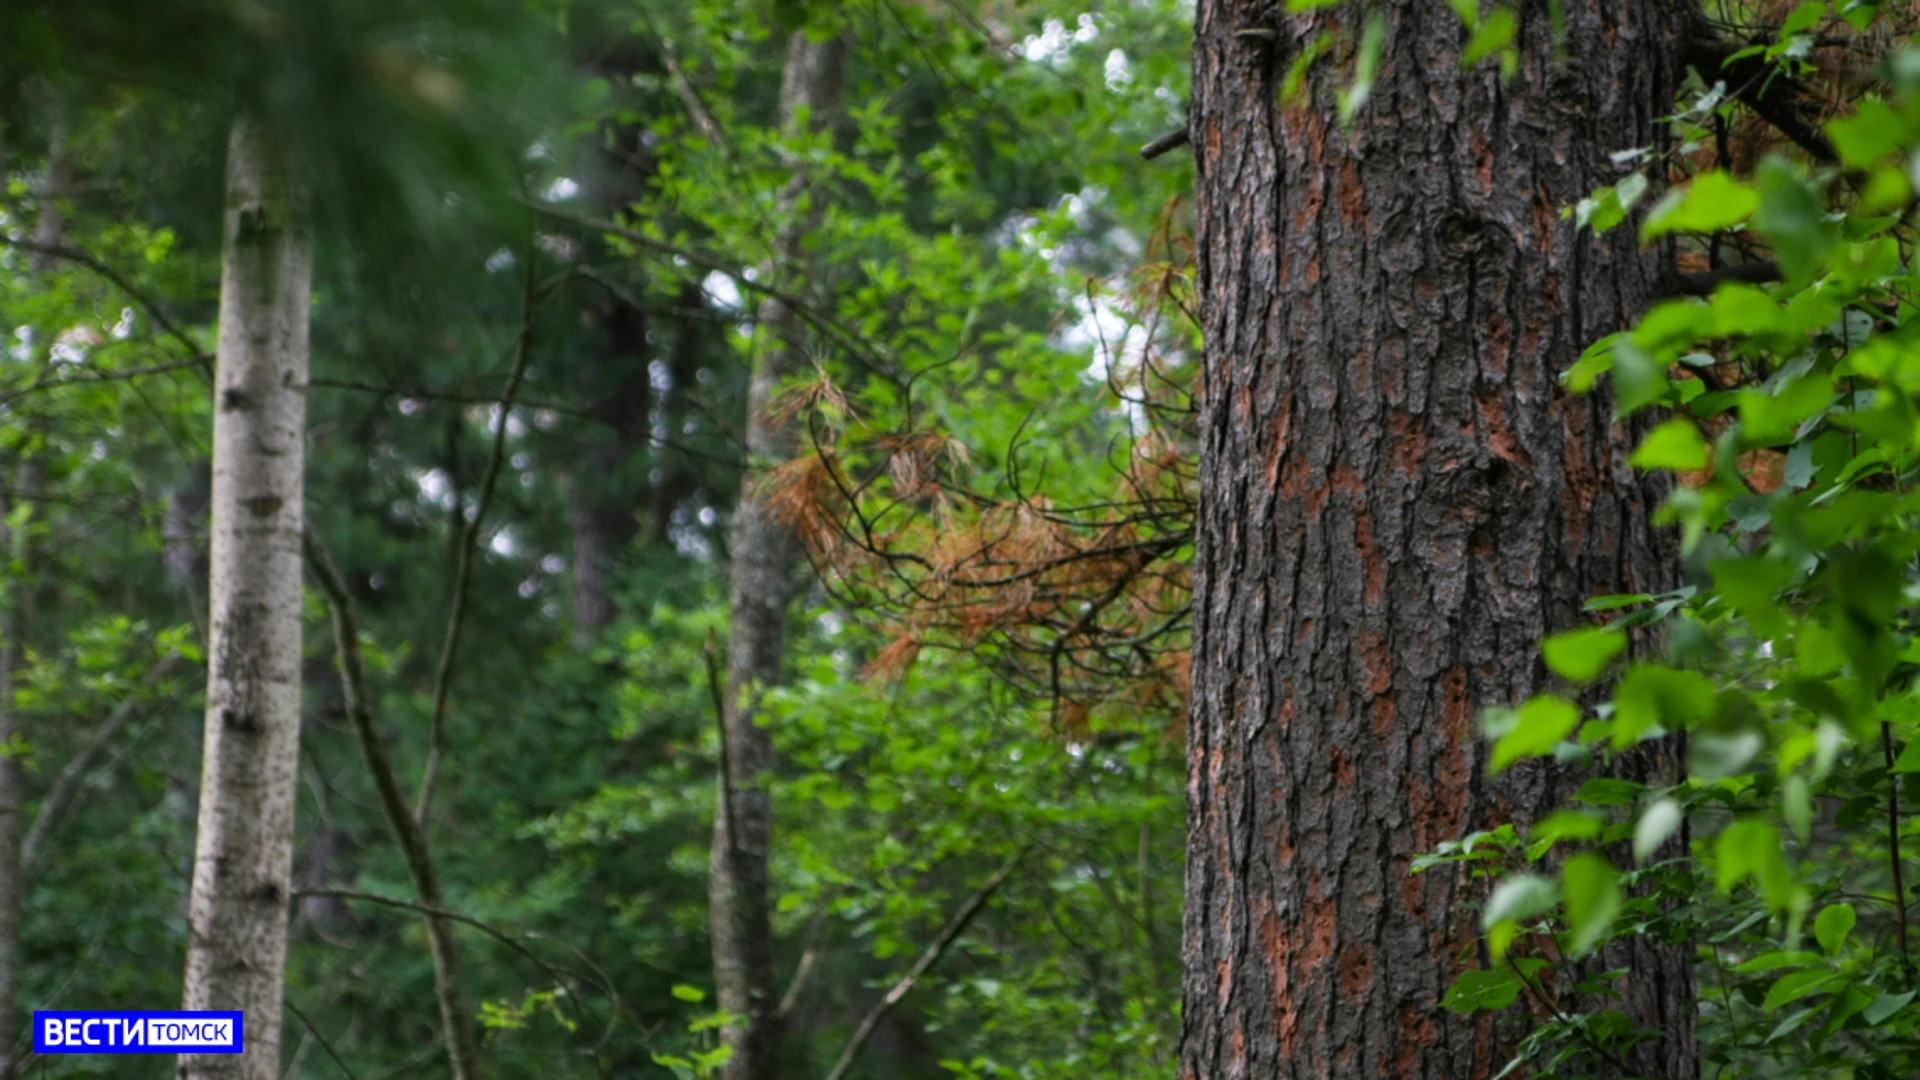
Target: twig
{"x": 683, "y": 88}
{"x": 809, "y": 956}
{"x": 462, "y": 1048}
{"x": 1893, "y": 849}
{"x": 434, "y": 911}
{"x": 81, "y": 376}
{"x": 1773, "y": 96}
{"x": 66, "y": 786}
{"x": 60, "y": 251}
{"x": 1703, "y": 282}
{"x": 321, "y": 1039}
{"x": 711, "y": 654}
{"x": 819, "y": 320}
{"x": 1167, "y": 144}
{"x": 955, "y": 926}
{"x": 1541, "y": 999}
{"x": 463, "y": 575}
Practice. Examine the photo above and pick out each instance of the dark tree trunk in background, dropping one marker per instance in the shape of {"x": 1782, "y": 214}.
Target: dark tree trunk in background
{"x": 1396, "y": 505}
{"x": 762, "y": 588}
{"x": 605, "y": 497}
{"x": 606, "y": 491}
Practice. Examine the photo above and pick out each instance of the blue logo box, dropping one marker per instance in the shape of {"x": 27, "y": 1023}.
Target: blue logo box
{"x": 99, "y": 1031}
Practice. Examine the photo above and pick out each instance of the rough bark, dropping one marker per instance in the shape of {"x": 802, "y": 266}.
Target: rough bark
{"x": 236, "y": 949}
{"x": 1396, "y": 504}
{"x": 18, "y": 550}
{"x": 762, "y": 586}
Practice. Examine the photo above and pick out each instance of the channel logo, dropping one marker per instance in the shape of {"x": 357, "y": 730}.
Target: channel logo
{"x": 91, "y": 1031}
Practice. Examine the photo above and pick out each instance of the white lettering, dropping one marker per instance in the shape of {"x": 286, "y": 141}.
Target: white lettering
{"x": 52, "y": 1035}
{"x": 86, "y": 1033}
{"x": 73, "y": 1032}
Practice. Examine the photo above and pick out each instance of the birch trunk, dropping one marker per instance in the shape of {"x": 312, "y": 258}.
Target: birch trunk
{"x": 1396, "y": 505}
{"x": 762, "y": 587}
{"x": 236, "y": 952}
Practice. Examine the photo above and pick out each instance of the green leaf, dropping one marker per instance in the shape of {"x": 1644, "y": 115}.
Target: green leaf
{"x": 1518, "y": 898}
{"x": 1538, "y": 726}
{"x": 1909, "y": 759}
{"x": 1832, "y": 926}
{"x": 1366, "y": 67}
{"x": 1796, "y": 806}
{"x": 1482, "y": 991}
{"x": 689, "y": 993}
{"x": 1791, "y": 988}
{"x": 1566, "y": 825}
{"x": 1714, "y": 201}
{"x": 1793, "y": 220}
{"x": 1871, "y": 133}
{"x": 1494, "y": 34}
{"x": 1654, "y": 696}
{"x": 1675, "y": 444}
{"x": 1608, "y": 791}
{"x": 1581, "y": 655}
{"x": 1885, "y": 1006}
{"x": 1750, "y": 849}
{"x": 1593, "y": 894}
{"x": 1780, "y": 958}
{"x": 1658, "y": 821}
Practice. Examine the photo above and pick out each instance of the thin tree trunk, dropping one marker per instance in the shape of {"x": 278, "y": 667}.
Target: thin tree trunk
{"x": 17, "y": 547}
{"x": 762, "y": 587}
{"x": 243, "y": 858}
{"x": 463, "y": 1047}
{"x": 1396, "y": 504}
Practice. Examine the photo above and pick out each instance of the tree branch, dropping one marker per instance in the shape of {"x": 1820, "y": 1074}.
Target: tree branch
{"x": 1773, "y": 95}
{"x": 955, "y": 926}
{"x": 1704, "y": 282}
{"x": 463, "y": 1050}
{"x": 100, "y": 375}
{"x": 75, "y": 255}
{"x": 463, "y": 574}
{"x": 1167, "y": 144}
{"x": 66, "y": 786}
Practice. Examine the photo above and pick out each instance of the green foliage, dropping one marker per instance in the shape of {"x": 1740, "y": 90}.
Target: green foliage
{"x": 1783, "y": 846}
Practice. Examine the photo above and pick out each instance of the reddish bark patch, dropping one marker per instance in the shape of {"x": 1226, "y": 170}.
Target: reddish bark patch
{"x": 1356, "y": 972}
{"x": 1386, "y": 710}
{"x": 1483, "y": 159}
{"x": 1379, "y": 664}
{"x": 1370, "y": 559}
{"x": 1342, "y": 768}
{"x": 1353, "y": 199}
{"x": 1582, "y": 478}
{"x": 1499, "y": 437}
{"x": 1415, "y": 1032}
{"x": 1407, "y": 435}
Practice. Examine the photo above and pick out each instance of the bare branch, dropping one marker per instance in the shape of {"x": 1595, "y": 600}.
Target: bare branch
{"x": 469, "y": 543}
{"x": 931, "y": 956}
{"x": 66, "y": 787}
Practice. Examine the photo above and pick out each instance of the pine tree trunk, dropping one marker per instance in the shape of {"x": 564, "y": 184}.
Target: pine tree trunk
{"x": 1396, "y": 505}
{"x": 762, "y": 586}
{"x": 236, "y": 951}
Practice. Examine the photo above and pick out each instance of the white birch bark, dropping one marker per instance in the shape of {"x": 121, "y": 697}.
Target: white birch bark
{"x": 236, "y": 954}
